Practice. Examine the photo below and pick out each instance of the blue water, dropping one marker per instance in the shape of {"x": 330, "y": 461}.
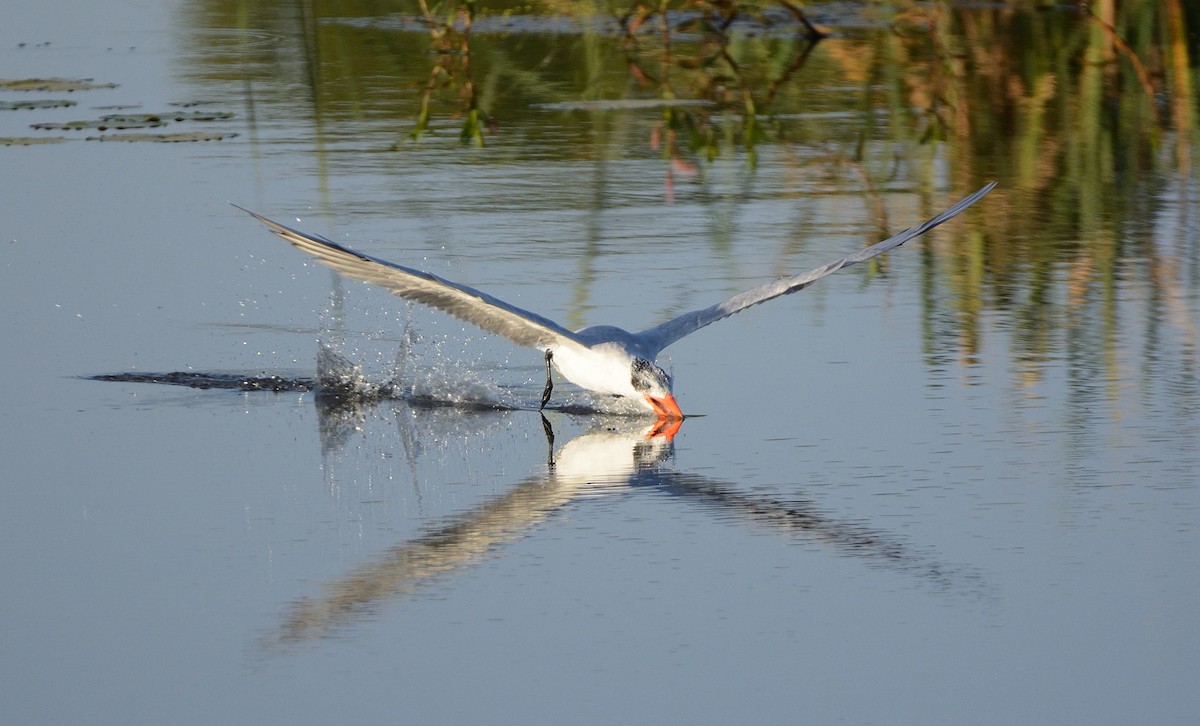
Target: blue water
{"x": 880, "y": 517}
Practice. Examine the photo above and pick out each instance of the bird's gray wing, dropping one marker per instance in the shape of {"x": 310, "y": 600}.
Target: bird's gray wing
{"x": 661, "y": 336}
{"x": 478, "y": 308}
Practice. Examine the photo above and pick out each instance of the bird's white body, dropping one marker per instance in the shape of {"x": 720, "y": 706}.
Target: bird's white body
{"x": 602, "y": 358}
{"x": 603, "y": 365}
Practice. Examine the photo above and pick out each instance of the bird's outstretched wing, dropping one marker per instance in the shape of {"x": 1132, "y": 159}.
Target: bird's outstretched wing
{"x": 478, "y": 308}
{"x": 661, "y": 336}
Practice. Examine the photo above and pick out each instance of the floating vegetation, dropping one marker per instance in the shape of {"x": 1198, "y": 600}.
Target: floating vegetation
{"x": 166, "y": 138}
{"x": 66, "y": 126}
{"x": 52, "y": 85}
{"x": 112, "y": 121}
{"x": 35, "y": 104}
{"x": 182, "y": 112}
{"x": 124, "y": 121}
{"x": 30, "y": 140}
{"x": 199, "y": 115}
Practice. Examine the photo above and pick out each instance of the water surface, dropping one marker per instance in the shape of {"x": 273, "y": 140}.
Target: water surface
{"x": 956, "y": 486}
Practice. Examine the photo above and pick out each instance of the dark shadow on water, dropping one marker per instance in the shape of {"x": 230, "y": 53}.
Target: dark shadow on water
{"x": 328, "y": 398}
{"x": 207, "y": 381}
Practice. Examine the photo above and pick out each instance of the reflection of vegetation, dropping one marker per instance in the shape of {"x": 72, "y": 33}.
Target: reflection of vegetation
{"x": 707, "y": 55}
{"x": 450, "y": 40}
{"x": 1087, "y": 118}
{"x": 1057, "y": 106}
{"x": 708, "y": 52}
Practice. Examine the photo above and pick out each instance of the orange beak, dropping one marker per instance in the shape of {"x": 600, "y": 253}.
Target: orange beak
{"x": 665, "y": 407}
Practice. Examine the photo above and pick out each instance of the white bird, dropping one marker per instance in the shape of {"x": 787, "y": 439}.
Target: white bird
{"x": 601, "y": 358}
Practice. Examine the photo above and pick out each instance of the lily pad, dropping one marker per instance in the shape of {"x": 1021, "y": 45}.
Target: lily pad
{"x": 121, "y": 121}
{"x": 52, "y": 85}
{"x": 125, "y": 121}
{"x": 104, "y": 123}
{"x": 66, "y": 126}
{"x": 30, "y": 140}
{"x": 35, "y": 104}
{"x": 164, "y": 138}
{"x": 200, "y": 115}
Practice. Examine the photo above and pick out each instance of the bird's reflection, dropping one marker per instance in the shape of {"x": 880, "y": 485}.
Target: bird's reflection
{"x": 615, "y": 455}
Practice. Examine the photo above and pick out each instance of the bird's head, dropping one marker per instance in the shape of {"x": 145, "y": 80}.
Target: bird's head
{"x": 654, "y": 385}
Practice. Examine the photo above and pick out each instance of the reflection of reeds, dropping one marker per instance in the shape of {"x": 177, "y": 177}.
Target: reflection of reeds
{"x": 1086, "y": 118}
{"x": 706, "y": 57}
{"x": 1063, "y": 105}
{"x": 450, "y": 41}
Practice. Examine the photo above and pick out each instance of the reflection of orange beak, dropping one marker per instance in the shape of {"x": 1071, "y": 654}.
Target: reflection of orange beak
{"x": 665, "y": 427}
{"x": 665, "y": 407}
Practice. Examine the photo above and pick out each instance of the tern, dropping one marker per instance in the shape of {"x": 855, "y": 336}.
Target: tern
{"x": 601, "y": 358}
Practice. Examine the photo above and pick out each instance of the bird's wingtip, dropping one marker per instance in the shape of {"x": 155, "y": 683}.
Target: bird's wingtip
{"x": 256, "y": 215}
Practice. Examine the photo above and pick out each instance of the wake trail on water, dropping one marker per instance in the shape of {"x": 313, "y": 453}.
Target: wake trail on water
{"x": 442, "y": 383}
